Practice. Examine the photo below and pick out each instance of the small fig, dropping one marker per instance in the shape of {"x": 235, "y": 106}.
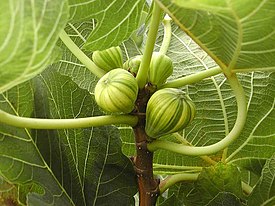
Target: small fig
{"x": 168, "y": 111}
{"x": 161, "y": 67}
{"x": 117, "y": 91}
{"x": 108, "y": 59}
{"x": 132, "y": 64}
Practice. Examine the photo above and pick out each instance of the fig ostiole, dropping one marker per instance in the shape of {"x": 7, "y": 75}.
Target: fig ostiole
{"x": 132, "y": 64}
{"x": 108, "y": 59}
{"x": 117, "y": 91}
{"x": 168, "y": 111}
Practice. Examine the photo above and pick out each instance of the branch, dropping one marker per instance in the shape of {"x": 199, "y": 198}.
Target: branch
{"x": 143, "y": 161}
{"x": 36, "y": 123}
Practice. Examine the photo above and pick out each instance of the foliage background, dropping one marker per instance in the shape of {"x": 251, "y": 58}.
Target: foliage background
{"x": 89, "y": 166}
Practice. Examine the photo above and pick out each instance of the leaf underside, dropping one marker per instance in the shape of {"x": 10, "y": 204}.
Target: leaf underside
{"x": 28, "y": 38}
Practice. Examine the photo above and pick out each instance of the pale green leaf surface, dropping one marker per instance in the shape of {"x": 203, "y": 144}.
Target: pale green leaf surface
{"x": 28, "y": 34}
{"x": 116, "y": 20}
{"x": 238, "y": 35}
{"x": 263, "y": 193}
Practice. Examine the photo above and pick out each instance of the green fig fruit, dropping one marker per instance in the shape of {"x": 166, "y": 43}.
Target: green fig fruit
{"x": 132, "y": 64}
{"x": 108, "y": 59}
{"x": 117, "y": 91}
{"x": 168, "y": 111}
{"x": 161, "y": 67}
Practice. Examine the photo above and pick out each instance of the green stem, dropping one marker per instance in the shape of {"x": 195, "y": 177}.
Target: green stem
{"x": 36, "y": 123}
{"x": 177, "y": 167}
{"x": 247, "y": 188}
{"x": 224, "y": 155}
{"x": 191, "y": 79}
{"x": 149, "y": 47}
{"x": 80, "y": 55}
{"x": 167, "y": 34}
{"x": 210, "y": 149}
{"x": 173, "y": 179}
{"x": 185, "y": 142}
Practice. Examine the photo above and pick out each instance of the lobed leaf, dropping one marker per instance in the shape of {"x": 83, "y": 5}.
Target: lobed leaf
{"x": 238, "y": 35}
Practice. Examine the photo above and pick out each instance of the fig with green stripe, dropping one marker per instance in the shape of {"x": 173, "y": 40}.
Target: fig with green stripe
{"x": 161, "y": 67}
{"x": 168, "y": 110}
{"x": 108, "y": 59}
{"x": 117, "y": 91}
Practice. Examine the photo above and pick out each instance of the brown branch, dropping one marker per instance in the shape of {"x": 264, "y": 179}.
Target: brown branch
{"x": 143, "y": 161}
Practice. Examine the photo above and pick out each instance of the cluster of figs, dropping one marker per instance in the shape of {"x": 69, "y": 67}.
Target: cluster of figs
{"x": 168, "y": 110}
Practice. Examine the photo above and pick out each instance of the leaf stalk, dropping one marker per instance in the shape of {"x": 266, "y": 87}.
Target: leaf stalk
{"x": 167, "y": 34}
{"x": 191, "y": 79}
{"x": 149, "y": 47}
{"x": 37, "y": 123}
{"x": 80, "y": 55}
{"x": 173, "y": 179}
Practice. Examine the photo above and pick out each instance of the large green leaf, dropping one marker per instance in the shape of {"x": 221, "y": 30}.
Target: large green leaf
{"x": 85, "y": 164}
{"x": 238, "y": 35}
{"x": 116, "y": 20}
{"x": 20, "y": 160}
{"x": 28, "y": 34}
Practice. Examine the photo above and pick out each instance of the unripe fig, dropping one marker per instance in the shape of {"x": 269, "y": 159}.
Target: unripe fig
{"x": 108, "y": 59}
{"x": 161, "y": 67}
{"x": 168, "y": 111}
{"x": 132, "y": 64}
{"x": 117, "y": 91}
